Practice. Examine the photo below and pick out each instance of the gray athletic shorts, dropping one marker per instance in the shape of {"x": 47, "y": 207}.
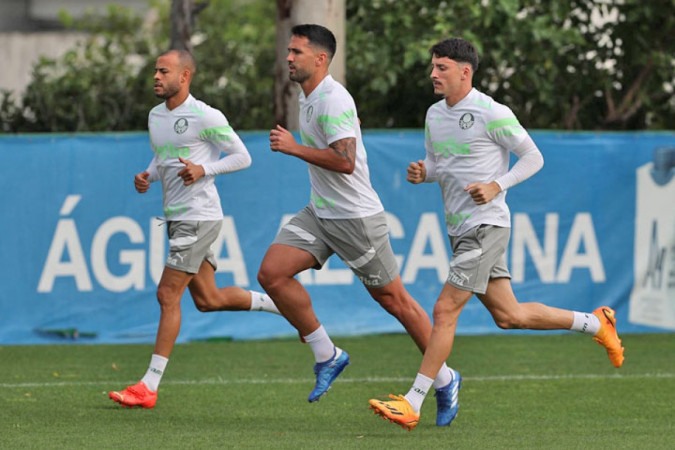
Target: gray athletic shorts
{"x": 478, "y": 255}
{"x": 363, "y": 244}
{"x": 190, "y": 243}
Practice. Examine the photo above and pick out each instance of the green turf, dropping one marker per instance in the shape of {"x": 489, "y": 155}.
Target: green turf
{"x": 519, "y": 392}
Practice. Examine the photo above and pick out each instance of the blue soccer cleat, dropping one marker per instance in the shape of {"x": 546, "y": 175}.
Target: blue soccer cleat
{"x": 447, "y": 400}
{"x": 326, "y": 372}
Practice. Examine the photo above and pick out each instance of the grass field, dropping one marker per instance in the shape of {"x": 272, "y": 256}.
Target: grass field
{"x": 519, "y": 392}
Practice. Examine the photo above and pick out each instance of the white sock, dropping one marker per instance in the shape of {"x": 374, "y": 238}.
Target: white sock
{"x": 586, "y": 323}
{"x": 263, "y": 302}
{"x": 321, "y": 345}
{"x": 443, "y": 378}
{"x": 419, "y": 391}
{"x": 155, "y": 371}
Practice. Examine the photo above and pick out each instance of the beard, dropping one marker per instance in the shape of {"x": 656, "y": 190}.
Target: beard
{"x": 167, "y": 92}
{"x": 298, "y": 76}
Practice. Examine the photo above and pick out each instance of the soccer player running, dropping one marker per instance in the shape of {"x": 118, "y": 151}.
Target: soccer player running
{"x": 344, "y": 217}
{"x": 468, "y": 137}
{"x": 187, "y": 138}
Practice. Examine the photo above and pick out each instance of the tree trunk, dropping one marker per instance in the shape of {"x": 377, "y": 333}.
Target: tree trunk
{"x": 183, "y": 13}
{"x": 329, "y": 13}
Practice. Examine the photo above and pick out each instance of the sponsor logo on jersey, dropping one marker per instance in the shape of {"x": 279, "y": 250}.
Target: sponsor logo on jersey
{"x": 308, "y": 114}
{"x": 181, "y": 125}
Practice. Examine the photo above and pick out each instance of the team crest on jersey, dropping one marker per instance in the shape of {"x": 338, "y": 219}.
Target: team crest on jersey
{"x": 466, "y": 121}
{"x": 181, "y": 125}
{"x": 309, "y": 113}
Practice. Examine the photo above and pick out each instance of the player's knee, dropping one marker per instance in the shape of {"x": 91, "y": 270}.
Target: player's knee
{"x": 443, "y": 313}
{"x": 264, "y": 278}
{"x": 503, "y": 324}
{"x": 162, "y": 295}
{"x": 166, "y": 297}
{"x": 508, "y": 321}
{"x": 202, "y": 304}
{"x": 270, "y": 280}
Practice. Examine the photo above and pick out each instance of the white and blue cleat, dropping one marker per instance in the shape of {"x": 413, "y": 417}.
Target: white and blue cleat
{"x": 326, "y": 372}
{"x": 447, "y": 400}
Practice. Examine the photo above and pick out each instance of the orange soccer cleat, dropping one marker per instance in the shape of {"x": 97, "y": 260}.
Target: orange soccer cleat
{"x": 136, "y": 395}
{"x": 398, "y": 410}
{"x": 607, "y": 336}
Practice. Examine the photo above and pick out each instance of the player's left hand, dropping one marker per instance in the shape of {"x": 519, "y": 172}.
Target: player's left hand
{"x": 483, "y": 193}
{"x": 191, "y": 172}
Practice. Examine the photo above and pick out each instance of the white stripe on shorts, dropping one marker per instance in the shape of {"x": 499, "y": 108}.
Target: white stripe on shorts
{"x": 182, "y": 241}
{"x": 475, "y": 253}
{"x": 301, "y": 233}
{"x": 362, "y": 260}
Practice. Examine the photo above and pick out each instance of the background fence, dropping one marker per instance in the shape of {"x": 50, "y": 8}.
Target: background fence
{"x": 82, "y": 251}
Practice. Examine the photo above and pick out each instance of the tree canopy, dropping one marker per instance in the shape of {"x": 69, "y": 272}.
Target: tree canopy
{"x": 569, "y": 65}
{"x": 575, "y": 64}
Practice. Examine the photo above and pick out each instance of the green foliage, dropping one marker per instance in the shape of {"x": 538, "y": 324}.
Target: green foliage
{"x": 648, "y": 50}
{"x": 95, "y": 86}
{"x": 234, "y": 48}
{"x": 236, "y": 61}
{"x": 10, "y": 114}
{"x": 559, "y": 65}
{"x": 105, "y": 82}
{"x": 578, "y": 64}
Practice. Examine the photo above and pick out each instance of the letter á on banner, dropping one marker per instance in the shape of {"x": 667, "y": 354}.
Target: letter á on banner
{"x": 65, "y": 239}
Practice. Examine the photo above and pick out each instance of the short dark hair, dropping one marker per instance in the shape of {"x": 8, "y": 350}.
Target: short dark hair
{"x": 457, "y": 49}
{"x": 185, "y": 58}
{"x": 317, "y": 35}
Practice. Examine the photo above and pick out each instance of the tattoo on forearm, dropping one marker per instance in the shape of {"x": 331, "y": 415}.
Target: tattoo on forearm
{"x": 346, "y": 148}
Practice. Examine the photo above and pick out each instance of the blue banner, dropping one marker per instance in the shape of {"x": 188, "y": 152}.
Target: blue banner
{"x": 82, "y": 251}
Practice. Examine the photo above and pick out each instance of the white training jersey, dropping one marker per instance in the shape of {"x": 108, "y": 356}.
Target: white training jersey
{"x": 199, "y": 133}
{"x": 466, "y": 143}
{"x": 327, "y": 115}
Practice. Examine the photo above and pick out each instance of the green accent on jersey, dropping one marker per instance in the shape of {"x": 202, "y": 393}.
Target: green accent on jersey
{"x": 331, "y": 124}
{"x": 196, "y": 110}
{"x": 455, "y": 219}
{"x": 483, "y": 103}
{"x": 510, "y": 131}
{"x": 174, "y": 210}
{"x": 217, "y": 134}
{"x": 171, "y": 151}
{"x": 321, "y": 202}
{"x": 505, "y": 127}
{"x": 510, "y": 121}
{"x": 426, "y": 130}
{"x": 450, "y": 147}
{"x": 307, "y": 139}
